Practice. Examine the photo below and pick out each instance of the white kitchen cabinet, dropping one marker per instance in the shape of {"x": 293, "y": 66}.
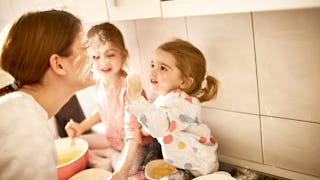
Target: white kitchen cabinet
{"x": 133, "y": 9}
{"x": 86, "y": 10}
{"x": 176, "y": 8}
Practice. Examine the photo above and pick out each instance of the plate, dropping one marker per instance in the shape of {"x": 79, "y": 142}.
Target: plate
{"x": 92, "y": 174}
{"x": 216, "y": 176}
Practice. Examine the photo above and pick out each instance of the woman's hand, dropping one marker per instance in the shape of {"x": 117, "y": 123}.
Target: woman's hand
{"x": 73, "y": 129}
{"x": 134, "y": 87}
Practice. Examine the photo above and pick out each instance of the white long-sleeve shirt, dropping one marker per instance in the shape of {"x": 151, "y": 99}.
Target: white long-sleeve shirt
{"x": 174, "y": 120}
{"x": 27, "y": 149}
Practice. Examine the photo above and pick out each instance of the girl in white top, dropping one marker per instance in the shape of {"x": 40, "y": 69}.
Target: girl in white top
{"x": 178, "y": 76}
{"x": 45, "y": 52}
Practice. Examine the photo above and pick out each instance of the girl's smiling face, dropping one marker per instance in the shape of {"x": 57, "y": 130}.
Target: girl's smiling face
{"x": 164, "y": 74}
{"x": 107, "y": 59}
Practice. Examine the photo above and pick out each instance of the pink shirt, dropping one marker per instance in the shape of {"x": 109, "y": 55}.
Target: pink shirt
{"x": 120, "y": 124}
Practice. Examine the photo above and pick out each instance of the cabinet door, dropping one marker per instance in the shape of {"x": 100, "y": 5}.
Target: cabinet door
{"x": 19, "y": 7}
{"x": 178, "y": 8}
{"x": 6, "y": 15}
{"x": 133, "y": 9}
{"x": 86, "y": 10}
{"x": 91, "y": 11}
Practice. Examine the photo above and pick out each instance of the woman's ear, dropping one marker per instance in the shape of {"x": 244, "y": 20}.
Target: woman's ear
{"x": 186, "y": 83}
{"x": 56, "y": 64}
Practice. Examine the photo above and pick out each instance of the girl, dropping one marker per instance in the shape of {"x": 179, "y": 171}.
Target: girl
{"x": 178, "y": 76}
{"x": 120, "y": 150}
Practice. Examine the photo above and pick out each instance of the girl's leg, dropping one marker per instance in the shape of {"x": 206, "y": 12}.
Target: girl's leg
{"x": 96, "y": 161}
{"x": 103, "y": 158}
{"x": 100, "y": 152}
{"x": 96, "y": 141}
{"x": 109, "y": 153}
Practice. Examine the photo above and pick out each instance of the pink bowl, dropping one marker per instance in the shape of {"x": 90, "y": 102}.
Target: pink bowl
{"x": 79, "y": 160}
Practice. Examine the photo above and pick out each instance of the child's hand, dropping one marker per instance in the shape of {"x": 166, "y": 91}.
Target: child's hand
{"x": 144, "y": 132}
{"x": 73, "y": 129}
{"x": 134, "y": 87}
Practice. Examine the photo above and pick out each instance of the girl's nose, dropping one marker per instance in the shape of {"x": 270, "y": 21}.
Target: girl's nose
{"x": 153, "y": 71}
{"x": 103, "y": 61}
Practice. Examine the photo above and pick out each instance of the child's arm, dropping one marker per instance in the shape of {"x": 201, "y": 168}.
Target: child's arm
{"x": 75, "y": 129}
{"x": 143, "y": 108}
{"x": 134, "y": 87}
{"x": 127, "y": 160}
{"x": 166, "y": 119}
{"x": 179, "y": 112}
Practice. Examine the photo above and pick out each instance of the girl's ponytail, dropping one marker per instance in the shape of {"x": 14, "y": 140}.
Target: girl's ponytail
{"x": 210, "y": 89}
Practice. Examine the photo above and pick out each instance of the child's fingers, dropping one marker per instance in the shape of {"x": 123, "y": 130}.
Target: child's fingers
{"x": 133, "y": 78}
{"x": 70, "y": 128}
{"x": 134, "y": 86}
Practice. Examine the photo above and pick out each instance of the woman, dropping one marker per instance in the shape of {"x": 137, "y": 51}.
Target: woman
{"x": 46, "y": 53}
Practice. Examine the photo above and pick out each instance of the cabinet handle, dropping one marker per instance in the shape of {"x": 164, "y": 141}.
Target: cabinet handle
{"x": 112, "y": 3}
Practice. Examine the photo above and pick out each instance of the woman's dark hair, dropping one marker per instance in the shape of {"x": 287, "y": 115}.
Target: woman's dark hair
{"x": 32, "y": 39}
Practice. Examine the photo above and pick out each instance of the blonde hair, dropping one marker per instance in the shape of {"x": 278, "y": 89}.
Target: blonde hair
{"x": 191, "y": 62}
{"x": 107, "y": 32}
{"x": 32, "y": 39}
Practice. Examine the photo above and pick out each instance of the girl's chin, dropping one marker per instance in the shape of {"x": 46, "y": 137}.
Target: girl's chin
{"x": 154, "y": 89}
{"x": 157, "y": 91}
{"x": 105, "y": 74}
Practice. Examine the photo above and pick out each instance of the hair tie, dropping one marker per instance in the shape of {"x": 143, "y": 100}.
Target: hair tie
{"x": 204, "y": 82}
{"x": 10, "y": 88}
{"x": 15, "y": 85}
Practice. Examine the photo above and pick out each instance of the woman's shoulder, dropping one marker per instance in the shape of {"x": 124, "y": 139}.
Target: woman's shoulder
{"x": 19, "y": 98}
{"x": 14, "y": 98}
{"x": 19, "y": 105}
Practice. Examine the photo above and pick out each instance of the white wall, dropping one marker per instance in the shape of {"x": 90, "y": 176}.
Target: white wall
{"x": 267, "y": 114}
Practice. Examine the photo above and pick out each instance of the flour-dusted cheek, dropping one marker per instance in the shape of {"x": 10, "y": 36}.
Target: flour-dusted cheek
{"x": 77, "y": 61}
{"x": 84, "y": 65}
{"x": 86, "y": 70}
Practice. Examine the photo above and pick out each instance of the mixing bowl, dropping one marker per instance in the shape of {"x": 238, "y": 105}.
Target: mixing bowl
{"x": 92, "y": 174}
{"x": 73, "y": 156}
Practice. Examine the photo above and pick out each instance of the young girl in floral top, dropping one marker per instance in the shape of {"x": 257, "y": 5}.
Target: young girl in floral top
{"x": 178, "y": 76}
